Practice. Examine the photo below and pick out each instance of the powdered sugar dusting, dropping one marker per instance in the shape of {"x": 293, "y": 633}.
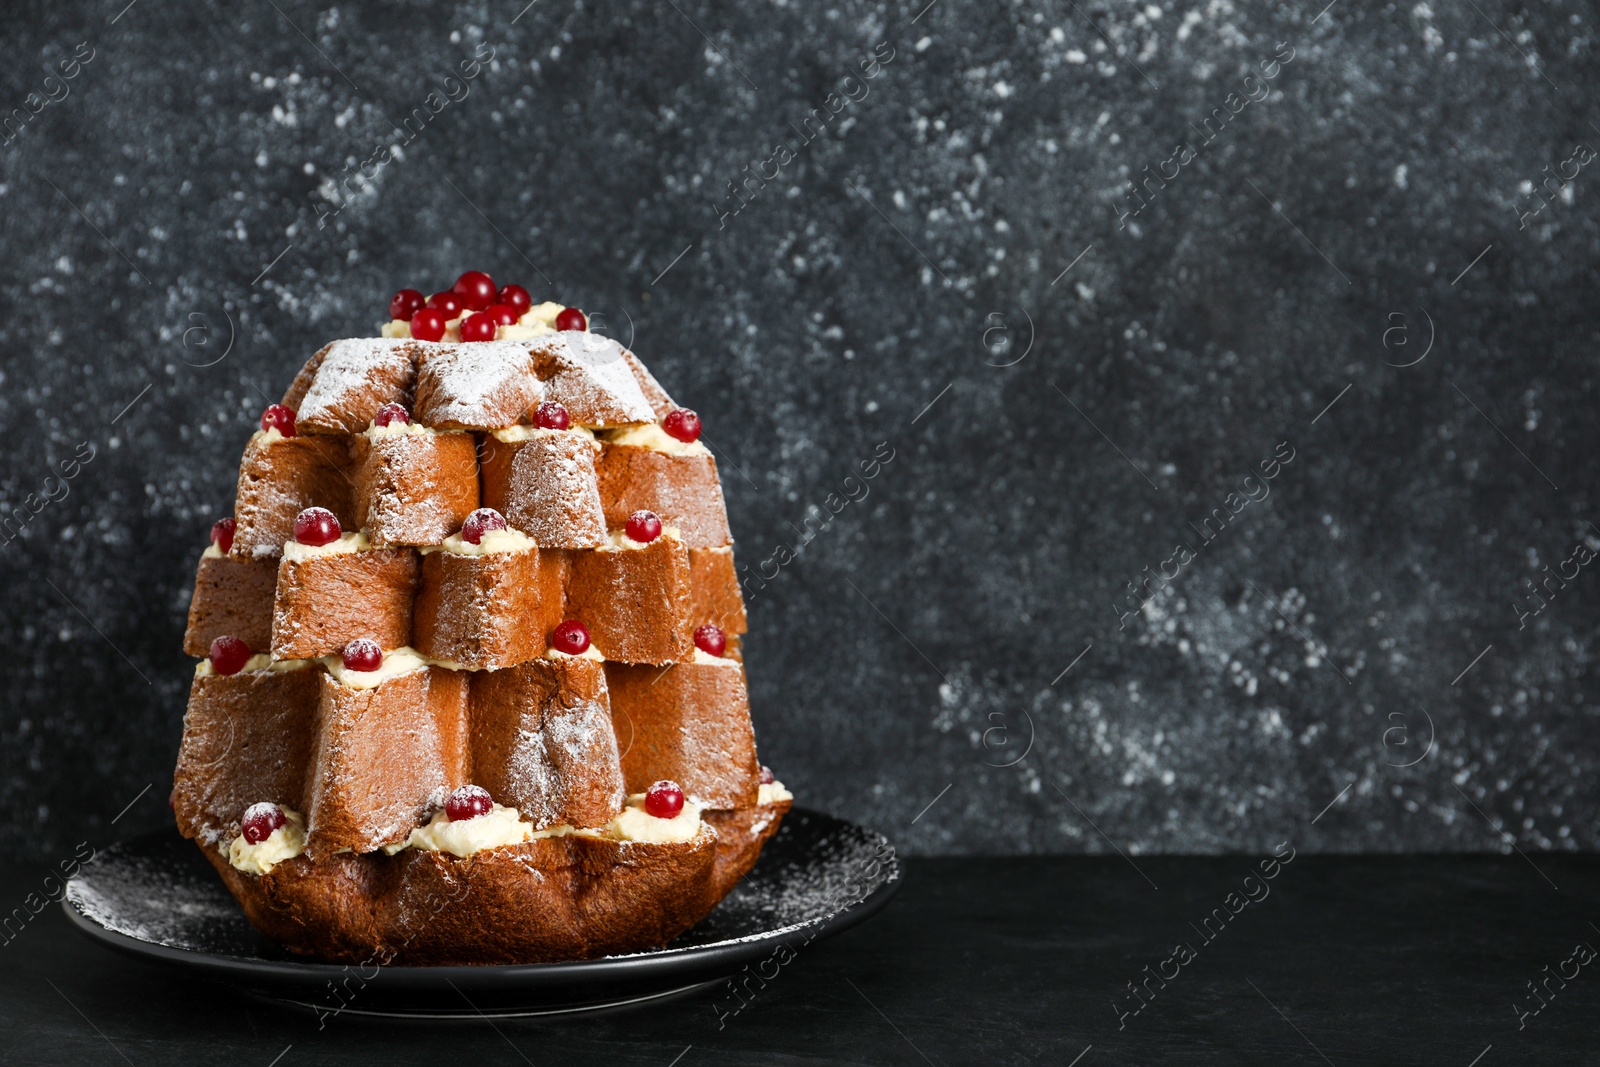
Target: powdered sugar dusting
{"x": 553, "y": 492}
{"x": 589, "y": 374}
{"x": 358, "y": 373}
{"x": 567, "y": 770}
{"x": 480, "y": 385}
{"x": 416, "y": 488}
{"x": 159, "y": 902}
{"x": 533, "y": 779}
{"x": 660, "y": 402}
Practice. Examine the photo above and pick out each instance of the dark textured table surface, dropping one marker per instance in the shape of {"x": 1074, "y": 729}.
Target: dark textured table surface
{"x": 1423, "y": 960}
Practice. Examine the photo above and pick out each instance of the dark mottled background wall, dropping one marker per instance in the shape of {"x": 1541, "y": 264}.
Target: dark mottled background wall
{"x": 1339, "y": 252}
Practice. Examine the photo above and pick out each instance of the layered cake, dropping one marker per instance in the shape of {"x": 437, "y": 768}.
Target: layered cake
{"x": 470, "y": 686}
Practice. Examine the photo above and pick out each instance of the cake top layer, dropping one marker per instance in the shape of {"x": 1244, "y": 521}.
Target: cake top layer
{"x": 352, "y": 376}
{"x": 476, "y": 356}
{"x": 590, "y": 373}
{"x": 473, "y": 385}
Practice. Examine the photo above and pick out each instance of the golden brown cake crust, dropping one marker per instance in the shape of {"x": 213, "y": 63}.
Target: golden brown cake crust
{"x": 483, "y": 611}
{"x": 280, "y": 478}
{"x": 484, "y": 385}
{"x": 546, "y": 487}
{"x": 562, "y": 898}
{"x": 302, "y": 380}
{"x": 590, "y": 376}
{"x": 635, "y": 601}
{"x": 247, "y": 737}
{"x": 660, "y": 402}
{"x": 689, "y": 723}
{"x": 385, "y": 759}
{"x": 413, "y": 488}
{"x": 683, "y": 490}
{"x": 543, "y": 742}
{"x": 714, "y": 590}
{"x": 232, "y": 597}
{"x": 353, "y": 379}
{"x": 324, "y": 602}
{"x": 741, "y": 833}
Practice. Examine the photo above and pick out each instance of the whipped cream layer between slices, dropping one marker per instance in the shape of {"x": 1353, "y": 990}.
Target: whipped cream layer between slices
{"x": 492, "y": 541}
{"x": 285, "y": 843}
{"x": 535, "y": 322}
{"x": 650, "y": 435}
{"x": 347, "y": 543}
{"x": 258, "y": 662}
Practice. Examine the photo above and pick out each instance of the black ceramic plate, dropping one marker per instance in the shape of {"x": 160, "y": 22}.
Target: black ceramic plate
{"x": 157, "y": 898}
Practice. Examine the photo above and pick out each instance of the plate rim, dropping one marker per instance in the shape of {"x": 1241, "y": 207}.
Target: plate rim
{"x": 256, "y": 971}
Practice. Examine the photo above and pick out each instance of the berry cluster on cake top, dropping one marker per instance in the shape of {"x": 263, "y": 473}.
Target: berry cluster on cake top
{"x": 474, "y": 309}
{"x": 477, "y": 597}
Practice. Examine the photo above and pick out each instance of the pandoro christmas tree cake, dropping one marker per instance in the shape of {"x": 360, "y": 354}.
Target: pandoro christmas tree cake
{"x": 471, "y": 686}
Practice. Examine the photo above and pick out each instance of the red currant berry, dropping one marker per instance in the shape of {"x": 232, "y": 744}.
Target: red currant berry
{"x": 767, "y": 777}
{"x": 552, "y": 416}
{"x": 663, "y": 800}
{"x": 277, "y": 417}
{"x": 468, "y": 802}
{"x": 363, "y": 654}
{"x": 502, "y": 314}
{"x": 222, "y": 535}
{"x": 450, "y": 305}
{"x": 710, "y": 639}
{"x": 571, "y": 319}
{"x": 316, "y": 527}
{"x": 682, "y": 424}
{"x": 571, "y": 637}
{"x": 391, "y": 413}
{"x": 481, "y": 522}
{"x": 478, "y": 327}
{"x": 517, "y": 297}
{"x": 644, "y": 526}
{"x": 229, "y": 655}
{"x": 428, "y": 324}
{"x": 260, "y": 820}
{"x": 476, "y": 289}
{"x": 406, "y": 303}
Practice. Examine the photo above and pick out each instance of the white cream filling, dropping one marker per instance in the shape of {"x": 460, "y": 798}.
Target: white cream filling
{"x": 513, "y": 434}
{"x": 650, "y": 435}
{"x": 496, "y": 828}
{"x": 705, "y": 658}
{"x": 589, "y": 653}
{"x": 620, "y": 538}
{"x": 507, "y": 540}
{"x": 211, "y": 552}
{"x": 636, "y": 824}
{"x": 502, "y": 826}
{"x": 258, "y": 662}
{"x": 267, "y": 437}
{"x": 347, "y": 543}
{"x": 545, "y": 314}
{"x": 521, "y": 331}
{"x": 535, "y": 322}
{"x": 285, "y": 843}
{"x": 398, "y": 429}
{"x": 772, "y": 792}
{"x": 402, "y": 660}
